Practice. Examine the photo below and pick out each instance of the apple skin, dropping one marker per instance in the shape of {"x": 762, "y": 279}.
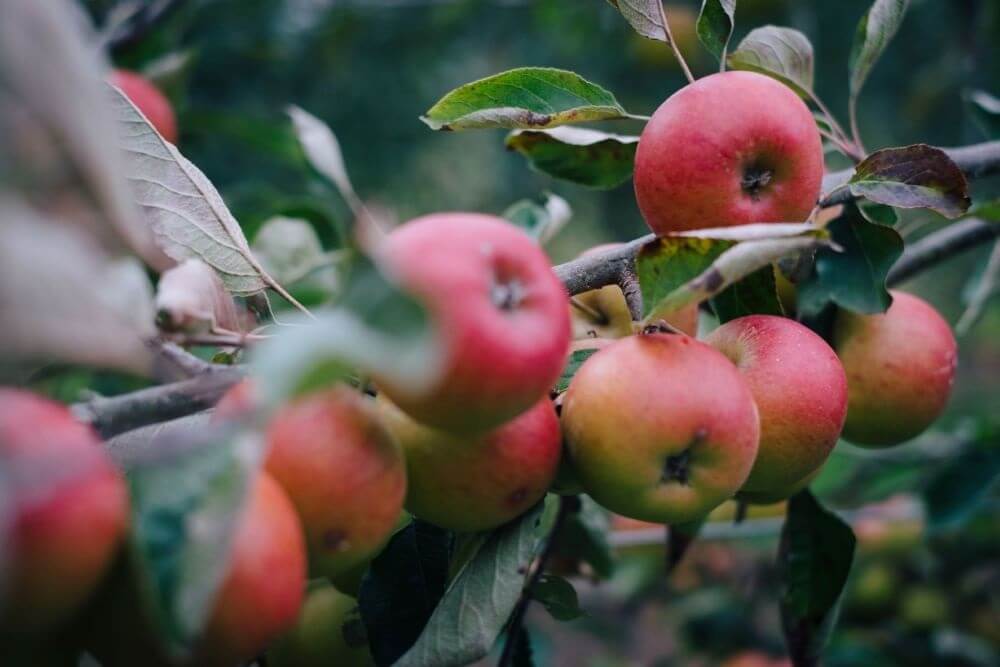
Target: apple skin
{"x": 900, "y": 367}
{"x": 476, "y": 483}
{"x": 502, "y": 313}
{"x": 729, "y": 149}
{"x": 342, "y": 470}
{"x": 660, "y": 427}
{"x": 153, "y": 104}
{"x": 70, "y": 512}
{"x": 615, "y": 320}
{"x": 318, "y": 639}
{"x": 800, "y": 389}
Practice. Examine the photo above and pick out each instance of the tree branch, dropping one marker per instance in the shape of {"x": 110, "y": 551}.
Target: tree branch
{"x": 939, "y": 246}
{"x": 137, "y": 26}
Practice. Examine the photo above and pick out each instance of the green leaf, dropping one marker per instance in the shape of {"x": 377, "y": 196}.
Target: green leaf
{"x": 853, "y": 278}
{"x": 879, "y": 214}
{"x": 584, "y": 535}
{"x": 918, "y": 176}
{"x": 757, "y": 294}
{"x": 403, "y": 585}
{"x": 479, "y": 600}
{"x": 715, "y": 26}
{"x": 645, "y": 17}
{"x": 583, "y": 156}
{"x": 186, "y": 497}
{"x": 323, "y": 152}
{"x": 781, "y": 53}
{"x": 985, "y": 109}
{"x": 667, "y": 263}
{"x": 958, "y": 490}
{"x": 814, "y": 559}
{"x": 875, "y": 30}
{"x": 375, "y": 328}
{"x": 525, "y": 98}
{"x": 541, "y": 221}
{"x": 576, "y": 359}
{"x": 987, "y": 210}
{"x": 557, "y": 596}
{"x": 290, "y": 250}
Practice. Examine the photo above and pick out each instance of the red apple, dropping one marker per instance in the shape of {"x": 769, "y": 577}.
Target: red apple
{"x": 473, "y": 483}
{"x": 801, "y": 394}
{"x": 900, "y": 367}
{"x": 660, "y": 428}
{"x": 729, "y": 149}
{"x": 341, "y": 468}
{"x": 502, "y": 313}
{"x": 150, "y": 101}
{"x": 68, "y": 511}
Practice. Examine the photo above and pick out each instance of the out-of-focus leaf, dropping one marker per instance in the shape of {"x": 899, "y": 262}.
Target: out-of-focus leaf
{"x": 184, "y": 209}
{"x": 54, "y": 112}
{"x": 957, "y": 490}
{"x": 190, "y": 298}
{"x": 985, "y": 110}
{"x": 526, "y": 98}
{"x": 62, "y": 298}
{"x": 987, "y": 210}
{"x": 875, "y": 30}
{"x": 580, "y": 155}
{"x": 715, "y": 26}
{"x": 782, "y": 53}
{"x": 374, "y": 327}
{"x": 918, "y": 176}
{"x": 323, "y": 151}
{"x": 757, "y": 294}
{"x": 814, "y": 559}
{"x": 880, "y": 214}
{"x": 403, "y": 585}
{"x": 853, "y": 278}
{"x": 541, "y": 221}
{"x": 558, "y": 597}
{"x": 481, "y": 597}
{"x": 186, "y": 498}
{"x": 290, "y": 250}
{"x": 584, "y": 535}
{"x": 576, "y": 359}
{"x": 765, "y": 231}
{"x": 645, "y": 17}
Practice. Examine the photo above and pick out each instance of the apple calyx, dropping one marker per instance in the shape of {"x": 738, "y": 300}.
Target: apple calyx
{"x": 756, "y": 178}
{"x": 507, "y": 296}
{"x": 677, "y": 468}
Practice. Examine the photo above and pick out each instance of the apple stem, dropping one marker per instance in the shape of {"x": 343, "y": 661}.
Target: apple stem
{"x": 673, "y": 45}
{"x": 741, "y": 512}
{"x": 851, "y": 149}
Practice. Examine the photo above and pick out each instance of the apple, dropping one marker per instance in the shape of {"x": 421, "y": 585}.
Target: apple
{"x": 800, "y": 389}
{"x": 729, "y": 149}
{"x": 660, "y": 427}
{"x": 329, "y": 633}
{"x": 341, "y": 468}
{"x": 755, "y": 659}
{"x": 604, "y": 313}
{"x": 66, "y": 508}
{"x": 502, "y": 313}
{"x": 474, "y": 483}
{"x": 153, "y": 104}
{"x": 900, "y": 367}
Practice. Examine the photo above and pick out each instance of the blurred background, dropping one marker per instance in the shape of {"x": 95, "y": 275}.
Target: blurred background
{"x": 922, "y": 592}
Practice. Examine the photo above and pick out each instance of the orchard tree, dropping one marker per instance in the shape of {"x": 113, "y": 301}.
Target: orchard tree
{"x": 395, "y": 473}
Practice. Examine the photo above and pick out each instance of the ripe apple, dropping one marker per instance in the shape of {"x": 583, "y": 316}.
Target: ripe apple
{"x": 800, "y": 389}
{"x": 900, "y": 367}
{"x": 153, "y": 104}
{"x": 472, "y": 483}
{"x": 729, "y": 149}
{"x": 341, "y": 468}
{"x": 604, "y": 313}
{"x": 502, "y": 313}
{"x": 660, "y": 427}
{"x": 68, "y": 511}
{"x": 329, "y": 633}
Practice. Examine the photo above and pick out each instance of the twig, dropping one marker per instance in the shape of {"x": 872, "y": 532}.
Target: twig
{"x": 517, "y": 616}
{"x": 141, "y": 23}
{"x": 935, "y": 248}
{"x": 629, "y": 283}
{"x": 986, "y": 288}
{"x": 673, "y": 44}
{"x": 171, "y": 362}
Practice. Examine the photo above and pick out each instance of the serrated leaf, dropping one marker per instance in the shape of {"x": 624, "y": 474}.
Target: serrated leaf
{"x": 403, "y": 585}
{"x": 781, "y": 53}
{"x": 573, "y": 363}
{"x": 645, "y": 17}
{"x": 541, "y": 221}
{"x": 584, "y": 156}
{"x": 481, "y": 597}
{"x": 957, "y": 490}
{"x": 183, "y": 208}
{"x": 558, "y": 597}
{"x": 757, "y": 294}
{"x": 874, "y": 32}
{"x": 51, "y": 77}
{"x": 715, "y": 26}
{"x": 323, "y": 151}
{"x": 853, "y": 278}
{"x": 918, "y": 176}
{"x": 375, "y": 327}
{"x": 525, "y": 98}
{"x": 814, "y": 559}
{"x": 63, "y": 299}
{"x": 186, "y": 498}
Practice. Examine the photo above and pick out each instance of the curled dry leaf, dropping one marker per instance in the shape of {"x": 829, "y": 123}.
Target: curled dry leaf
{"x": 191, "y": 298}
